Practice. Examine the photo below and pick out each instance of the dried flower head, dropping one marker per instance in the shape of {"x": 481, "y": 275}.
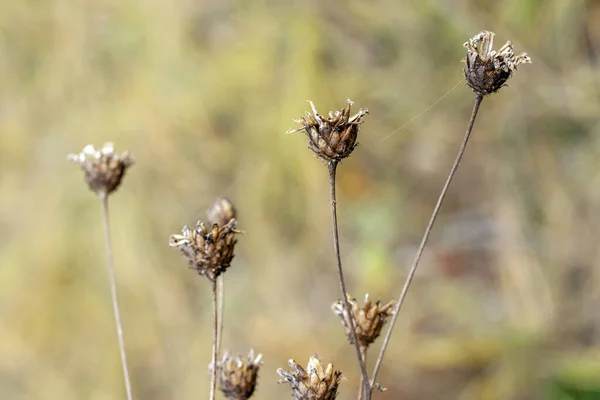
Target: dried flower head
{"x": 317, "y": 382}
{"x": 331, "y": 139}
{"x": 487, "y": 70}
{"x": 103, "y": 168}
{"x": 208, "y": 251}
{"x": 237, "y": 377}
{"x": 368, "y": 320}
{"x": 221, "y": 212}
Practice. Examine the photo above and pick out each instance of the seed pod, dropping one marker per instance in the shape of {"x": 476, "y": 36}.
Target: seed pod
{"x": 333, "y": 138}
{"x": 103, "y": 168}
{"x": 317, "y": 382}
{"x": 368, "y": 320}
{"x": 208, "y": 252}
{"x": 237, "y": 377}
{"x": 487, "y": 70}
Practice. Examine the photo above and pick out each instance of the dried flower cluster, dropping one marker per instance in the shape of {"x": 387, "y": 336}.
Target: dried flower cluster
{"x": 487, "y": 70}
{"x": 104, "y": 169}
{"x": 237, "y": 377}
{"x": 368, "y": 319}
{"x": 317, "y": 382}
{"x": 331, "y": 139}
{"x": 208, "y": 251}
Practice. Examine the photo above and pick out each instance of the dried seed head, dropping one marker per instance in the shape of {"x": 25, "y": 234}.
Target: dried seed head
{"x": 103, "y": 168}
{"x": 237, "y": 377}
{"x": 487, "y": 70}
{"x": 317, "y": 382}
{"x": 368, "y": 320}
{"x": 221, "y": 212}
{"x": 331, "y": 139}
{"x": 209, "y": 252}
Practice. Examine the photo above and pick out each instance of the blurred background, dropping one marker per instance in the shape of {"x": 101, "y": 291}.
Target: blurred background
{"x": 506, "y": 303}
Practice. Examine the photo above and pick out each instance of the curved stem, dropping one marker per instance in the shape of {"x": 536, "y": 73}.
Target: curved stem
{"x": 213, "y": 378}
{"x": 336, "y": 244}
{"x": 113, "y": 292}
{"x": 415, "y": 264}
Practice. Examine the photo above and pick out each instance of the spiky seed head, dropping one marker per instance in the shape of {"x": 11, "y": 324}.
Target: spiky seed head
{"x": 487, "y": 70}
{"x": 208, "y": 251}
{"x": 368, "y": 319}
{"x": 221, "y": 212}
{"x": 333, "y": 138}
{"x": 237, "y": 376}
{"x": 103, "y": 168}
{"x": 317, "y": 382}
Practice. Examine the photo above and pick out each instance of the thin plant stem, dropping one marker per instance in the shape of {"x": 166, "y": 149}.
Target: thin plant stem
{"x": 213, "y": 378}
{"x": 220, "y": 299}
{"x": 363, "y": 353}
{"x": 113, "y": 292}
{"x": 336, "y": 244}
{"x": 415, "y": 264}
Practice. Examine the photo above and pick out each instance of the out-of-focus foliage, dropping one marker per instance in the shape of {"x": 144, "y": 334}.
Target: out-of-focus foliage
{"x": 505, "y": 305}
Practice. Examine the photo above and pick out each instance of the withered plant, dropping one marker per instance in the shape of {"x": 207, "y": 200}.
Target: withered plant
{"x": 333, "y": 139}
{"x": 209, "y": 251}
{"x": 103, "y": 172}
{"x": 486, "y": 72}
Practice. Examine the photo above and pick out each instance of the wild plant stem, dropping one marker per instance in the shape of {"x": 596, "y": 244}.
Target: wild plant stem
{"x": 113, "y": 292}
{"x": 363, "y": 352}
{"x": 336, "y": 244}
{"x": 415, "y": 264}
{"x": 213, "y": 378}
{"x": 220, "y": 290}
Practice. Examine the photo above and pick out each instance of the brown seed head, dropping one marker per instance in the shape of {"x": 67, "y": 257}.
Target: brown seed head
{"x": 333, "y": 138}
{"x": 103, "y": 168}
{"x": 487, "y": 70}
{"x": 221, "y": 212}
{"x": 237, "y": 377}
{"x": 368, "y": 320}
{"x": 209, "y": 252}
{"x": 317, "y": 382}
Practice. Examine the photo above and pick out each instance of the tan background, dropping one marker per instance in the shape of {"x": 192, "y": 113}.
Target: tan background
{"x": 506, "y": 303}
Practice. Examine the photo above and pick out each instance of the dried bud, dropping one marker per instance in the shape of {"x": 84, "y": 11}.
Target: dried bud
{"x": 368, "y": 320}
{"x": 316, "y": 383}
{"x": 221, "y": 212}
{"x": 104, "y": 169}
{"x": 487, "y": 70}
{"x": 237, "y": 377}
{"x": 331, "y": 139}
{"x": 208, "y": 251}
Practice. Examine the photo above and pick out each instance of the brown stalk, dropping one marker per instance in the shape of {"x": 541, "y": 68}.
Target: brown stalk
{"x": 336, "y": 244}
{"x": 113, "y": 291}
{"x": 215, "y": 334}
{"x": 415, "y": 264}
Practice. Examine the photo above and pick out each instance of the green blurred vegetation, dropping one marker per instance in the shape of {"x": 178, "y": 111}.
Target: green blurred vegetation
{"x": 506, "y": 303}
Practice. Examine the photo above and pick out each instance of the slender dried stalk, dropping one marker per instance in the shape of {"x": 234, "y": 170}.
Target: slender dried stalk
{"x": 221, "y": 306}
{"x": 415, "y": 264}
{"x": 363, "y": 353}
{"x": 113, "y": 291}
{"x": 213, "y": 364}
{"x": 336, "y": 244}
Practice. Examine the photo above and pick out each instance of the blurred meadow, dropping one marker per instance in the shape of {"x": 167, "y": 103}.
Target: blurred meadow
{"x": 506, "y": 303}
